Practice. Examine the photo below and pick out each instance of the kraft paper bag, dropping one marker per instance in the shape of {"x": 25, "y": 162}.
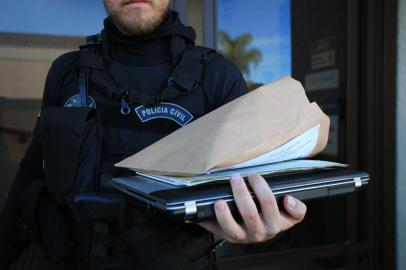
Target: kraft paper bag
{"x": 240, "y": 130}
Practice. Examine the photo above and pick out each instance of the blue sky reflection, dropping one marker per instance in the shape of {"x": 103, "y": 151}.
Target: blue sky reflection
{"x": 269, "y": 23}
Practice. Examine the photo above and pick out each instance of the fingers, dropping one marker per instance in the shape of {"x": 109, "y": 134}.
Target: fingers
{"x": 212, "y": 227}
{"x": 247, "y": 208}
{"x": 256, "y": 227}
{"x": 232, "y": 231}
{"x": 267, "y": 202}
{"x": 274, "y": 220}
{"x": 295, "y": 209}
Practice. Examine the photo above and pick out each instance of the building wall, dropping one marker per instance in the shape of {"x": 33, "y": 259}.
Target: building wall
{"x": 401, "y": 139}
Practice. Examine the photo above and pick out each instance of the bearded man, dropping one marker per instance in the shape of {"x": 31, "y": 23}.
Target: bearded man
{"x": 142, "y": 44}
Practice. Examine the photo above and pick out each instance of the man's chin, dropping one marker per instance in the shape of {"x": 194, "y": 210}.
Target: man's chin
{"x": 136, "y": 26}
{"x": 137, "y": 21}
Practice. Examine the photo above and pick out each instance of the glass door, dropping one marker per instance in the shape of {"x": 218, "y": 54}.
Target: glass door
{"x": 317, "y": 43}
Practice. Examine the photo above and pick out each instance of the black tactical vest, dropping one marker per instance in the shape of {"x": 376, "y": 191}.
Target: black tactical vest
{"x": 75, "y": 211}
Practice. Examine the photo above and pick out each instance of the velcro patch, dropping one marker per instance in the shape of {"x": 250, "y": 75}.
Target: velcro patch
{"x": 170, "y": 111}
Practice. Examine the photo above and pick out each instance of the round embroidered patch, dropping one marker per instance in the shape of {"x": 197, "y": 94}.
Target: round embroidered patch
{"x": 74, "y": 101}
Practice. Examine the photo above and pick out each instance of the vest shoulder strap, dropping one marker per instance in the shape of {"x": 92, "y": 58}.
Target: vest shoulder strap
{"x": 188, "y": 73}
{"x": 189, "y": 70}
{"x": 186, "y": 77}
{"x": 87, "y": 60}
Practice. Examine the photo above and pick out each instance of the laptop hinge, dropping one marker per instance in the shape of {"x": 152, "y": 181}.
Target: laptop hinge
{"x": 357, "y": 182}
{"x": 190, "y": 208}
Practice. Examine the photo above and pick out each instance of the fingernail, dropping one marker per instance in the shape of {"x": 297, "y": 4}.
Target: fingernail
{"x": 236, "y": 179}
{"x": 252, "y": 177}
{"x": 220, "y": 206}
{"x": 291, "y": 202}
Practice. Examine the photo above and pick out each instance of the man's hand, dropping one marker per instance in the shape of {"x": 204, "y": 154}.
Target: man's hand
{"x": 257, "y": 226}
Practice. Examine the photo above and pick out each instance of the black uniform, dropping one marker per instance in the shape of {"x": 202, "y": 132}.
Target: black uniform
{"x": 140, "y": 64}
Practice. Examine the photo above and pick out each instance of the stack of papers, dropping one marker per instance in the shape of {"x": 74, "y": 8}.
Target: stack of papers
{"x": 300, "y": 147}
{"x": 265, "y": 131}
{"x": 268, "y": 169}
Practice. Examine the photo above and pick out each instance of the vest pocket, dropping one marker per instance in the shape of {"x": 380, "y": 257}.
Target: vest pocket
{"x": 67, "y": 134}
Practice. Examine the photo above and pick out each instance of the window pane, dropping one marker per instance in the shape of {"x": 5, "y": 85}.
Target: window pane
{"x": 29, "y": 43}
{"x": 62, "y": 17}
{"x": 256, "y": 36}
{"x": 32, "y": 35}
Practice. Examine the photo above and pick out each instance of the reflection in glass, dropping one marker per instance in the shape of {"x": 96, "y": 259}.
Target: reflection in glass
{"x": 256, "y": 36}
{"x": 29, "y": 43}
{"x": 240, "y": 51}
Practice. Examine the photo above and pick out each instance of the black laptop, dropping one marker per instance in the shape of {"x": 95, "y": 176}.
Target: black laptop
{"x": 195, "y": 203}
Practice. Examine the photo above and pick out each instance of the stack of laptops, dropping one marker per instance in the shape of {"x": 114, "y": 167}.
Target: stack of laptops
{"x": 194, "y": 201}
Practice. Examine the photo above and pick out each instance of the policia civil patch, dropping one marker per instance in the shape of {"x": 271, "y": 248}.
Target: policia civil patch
{"x": 170, "y": 111}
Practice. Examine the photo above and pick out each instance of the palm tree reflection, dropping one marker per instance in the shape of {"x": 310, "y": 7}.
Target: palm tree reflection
{"x": 239, "y": 51}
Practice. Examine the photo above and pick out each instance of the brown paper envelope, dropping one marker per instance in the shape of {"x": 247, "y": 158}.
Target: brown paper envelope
{"x": 245, "y": 128}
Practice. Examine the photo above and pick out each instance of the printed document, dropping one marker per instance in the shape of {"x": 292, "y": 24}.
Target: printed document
{"x": 267, "y": 169}
{"x": 300, "y": 147}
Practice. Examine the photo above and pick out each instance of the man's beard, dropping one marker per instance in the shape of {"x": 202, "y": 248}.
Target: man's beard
{"x": 136, "y": 25}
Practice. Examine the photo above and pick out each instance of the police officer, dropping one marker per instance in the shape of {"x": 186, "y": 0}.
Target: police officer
{"x": 143, "y": 42}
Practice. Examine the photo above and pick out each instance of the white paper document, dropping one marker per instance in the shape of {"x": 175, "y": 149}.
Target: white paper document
{"x": 267, "y": 169}
{"x": 299, "y": 147}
